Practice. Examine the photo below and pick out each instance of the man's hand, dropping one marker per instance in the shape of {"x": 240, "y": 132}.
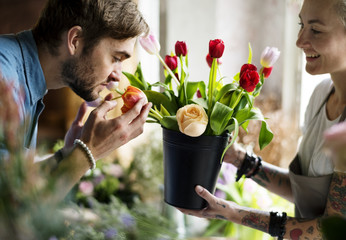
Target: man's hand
{"x": 103, "y": 135}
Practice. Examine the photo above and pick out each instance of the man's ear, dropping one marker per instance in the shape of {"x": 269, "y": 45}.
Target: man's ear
{"x": 74, "y": 39}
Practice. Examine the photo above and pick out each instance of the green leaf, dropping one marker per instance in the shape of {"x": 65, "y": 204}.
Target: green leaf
{"x": 163, "y": 111}
{"x": 234, "y": 137}
{"x": 170, "y": 122}
{"x": 159, "y": 99}
{"x": 225, "y": 89}
{"x": 220, "y": 117}
{"x": 259, "y": 86}
{"x": 249, "y": 60}
{"x": 236, "y": 97}
{"x": 250, "y": 99}
{"x": 265, "y": 136}
{"x": 237, "y": 77}
{"x": 201, "y": 101}
{"x": 139, "y": 75}
{"x": 202, "y": 89}
{"x": 134, "y": 81}
{"x": 191, "y": 89}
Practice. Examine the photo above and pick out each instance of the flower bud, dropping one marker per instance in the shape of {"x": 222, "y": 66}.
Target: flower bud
{"x": 249, "y": 77}
{"x": 216, "y": 48}
{"x": 130, "y": 97}
{"x": 210, "y": 60}
{"x": 150, "y": 44}
{"x": 112, "y": 85}
{"x": 171, "y": 61}
{"x": 269, "y": 56}
{"x": 192, "y": 120}
{"x": 266, "y": 71}
{"x": 180, "y": 48}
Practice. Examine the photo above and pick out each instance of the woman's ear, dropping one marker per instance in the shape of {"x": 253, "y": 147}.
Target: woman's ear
{"x": 74, "y": 39}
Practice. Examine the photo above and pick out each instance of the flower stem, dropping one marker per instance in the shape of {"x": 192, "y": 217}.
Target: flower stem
{"x": 238, "y": 99}
{"x": 168, "y": 69}
{"x": 116, "y": 98}
{"x": 211, "y": 86}
{"x": 155, "y": 114}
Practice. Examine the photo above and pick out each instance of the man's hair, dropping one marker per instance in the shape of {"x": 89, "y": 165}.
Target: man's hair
{"x": 118, "y": 19}
{"x": 341, "y": 10}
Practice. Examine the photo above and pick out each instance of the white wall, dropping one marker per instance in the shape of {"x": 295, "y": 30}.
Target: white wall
{"x": 261, "y": 23}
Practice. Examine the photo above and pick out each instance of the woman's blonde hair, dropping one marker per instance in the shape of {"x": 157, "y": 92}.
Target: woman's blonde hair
{"x": 341, "y": 10}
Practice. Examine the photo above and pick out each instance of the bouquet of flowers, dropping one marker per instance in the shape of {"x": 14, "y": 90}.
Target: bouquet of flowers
{"x": 199, "y": 108}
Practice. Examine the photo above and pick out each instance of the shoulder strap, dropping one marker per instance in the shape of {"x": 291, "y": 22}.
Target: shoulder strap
{"x": 343, "y": 116}
{"x": 324, "y": 101}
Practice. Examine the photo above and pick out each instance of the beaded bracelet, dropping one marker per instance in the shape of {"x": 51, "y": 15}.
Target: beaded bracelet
{"x": 248, "y": 164}
{"x": 277, "y": 224}
{"x": 257, "y": 168}
{"x": 91, "y": 158}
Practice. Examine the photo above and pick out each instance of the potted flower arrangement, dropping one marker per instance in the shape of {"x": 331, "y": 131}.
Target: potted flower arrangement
{"x": 197, "y": 117}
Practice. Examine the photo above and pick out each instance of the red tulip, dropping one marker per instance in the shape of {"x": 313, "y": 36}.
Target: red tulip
{"x": 199, "y": 95}
{"x": 210, "y": 60}
{"x": 249, "y": 77}
{"x": 171, "y": 61}
{"x": 130, "y": 97}
{"x": 180, "y": 48}
{"x": 216, "y": 48}
{"x": 266, "y": 71}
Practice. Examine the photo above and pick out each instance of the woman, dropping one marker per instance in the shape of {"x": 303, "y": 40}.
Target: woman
{"x": 313, "y": 182}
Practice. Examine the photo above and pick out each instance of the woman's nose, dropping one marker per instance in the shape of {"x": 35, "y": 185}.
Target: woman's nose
{"x": 302, "y": 41}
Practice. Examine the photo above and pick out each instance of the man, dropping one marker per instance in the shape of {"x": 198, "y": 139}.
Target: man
{"x": 79, "y": 44}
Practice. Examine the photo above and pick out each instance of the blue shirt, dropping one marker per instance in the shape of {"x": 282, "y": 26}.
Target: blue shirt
{"x": 19, "y": 64}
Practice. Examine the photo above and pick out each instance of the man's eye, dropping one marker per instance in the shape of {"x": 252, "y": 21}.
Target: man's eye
{"x": 301, "y": 25}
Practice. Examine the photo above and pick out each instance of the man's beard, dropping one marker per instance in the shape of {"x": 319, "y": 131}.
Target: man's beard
{"x": 78, "y": 74}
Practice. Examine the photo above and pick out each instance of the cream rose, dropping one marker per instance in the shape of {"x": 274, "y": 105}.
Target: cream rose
{"x": 192, "y": 120}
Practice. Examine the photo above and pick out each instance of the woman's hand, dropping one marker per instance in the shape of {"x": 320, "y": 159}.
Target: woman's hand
{"x": 335, "y": 145}
{"x": 217, "y": 207}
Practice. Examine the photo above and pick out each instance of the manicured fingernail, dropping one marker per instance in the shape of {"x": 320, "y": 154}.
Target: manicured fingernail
{"x": 199, "y": 189}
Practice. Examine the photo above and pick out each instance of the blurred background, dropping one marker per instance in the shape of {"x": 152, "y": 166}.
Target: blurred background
{"x": 261, "y": 23}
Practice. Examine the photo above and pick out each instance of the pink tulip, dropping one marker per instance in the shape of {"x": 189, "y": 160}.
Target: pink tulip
{"x": 150, "y": 44}
{"x": 269, "y": 56}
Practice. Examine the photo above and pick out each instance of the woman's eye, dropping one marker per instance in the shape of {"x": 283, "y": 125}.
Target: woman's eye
{"x": 315, "y": 31}
{"x": 116, "y": 59}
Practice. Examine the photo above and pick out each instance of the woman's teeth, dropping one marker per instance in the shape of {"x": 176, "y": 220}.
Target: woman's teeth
{"x": 312, "y": 55}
